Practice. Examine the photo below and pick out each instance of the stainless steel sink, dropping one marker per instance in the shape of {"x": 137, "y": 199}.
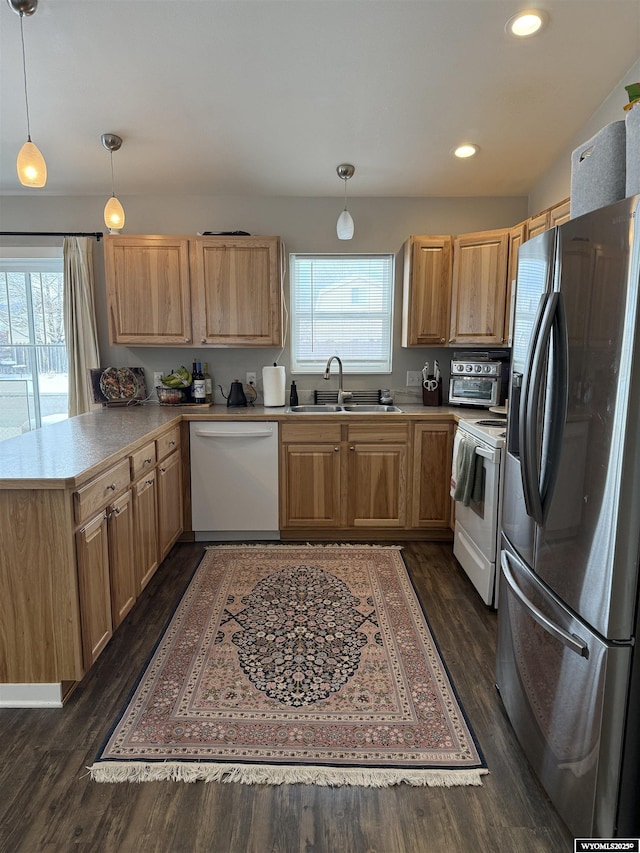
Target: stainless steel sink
{"x": 317, "y": 409}
{"x": 349, "y": 408}
{"x": 355, "y": 408}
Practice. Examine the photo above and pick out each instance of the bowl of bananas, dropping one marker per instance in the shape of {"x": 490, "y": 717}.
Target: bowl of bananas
{"x": 174, "y": 387}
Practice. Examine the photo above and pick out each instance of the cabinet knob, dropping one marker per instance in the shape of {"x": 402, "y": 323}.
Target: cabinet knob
{"x": 203, "y": 340}
{"x": 442, "y": 340}
{"x": 117, "y": 510}
{"x": 187, "y": 340}
{"x": 112, "y": 487}
{"x": 148, "y": 461}
{"x": 352, "y": 447}
{"x": 163, "y": 470}
{"x": 336, "y": 449}
{"x": 172, "y": 442}
{"x": 149, "y": 482}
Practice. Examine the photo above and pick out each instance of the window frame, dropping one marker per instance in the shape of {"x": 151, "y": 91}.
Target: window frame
{"x": 383, "y": 362}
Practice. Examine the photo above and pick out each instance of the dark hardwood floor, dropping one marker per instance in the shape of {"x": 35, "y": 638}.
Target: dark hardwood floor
{"x": 48, "y": 802}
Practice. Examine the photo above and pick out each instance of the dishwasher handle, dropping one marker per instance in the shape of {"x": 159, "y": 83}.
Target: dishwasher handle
{"x": 258, "y": 433}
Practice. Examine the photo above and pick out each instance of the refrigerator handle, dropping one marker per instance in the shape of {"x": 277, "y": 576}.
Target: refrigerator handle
{"x": 557, "y": 404}
{"x": 529, "y": 401}
{"x": 572, "y": 641}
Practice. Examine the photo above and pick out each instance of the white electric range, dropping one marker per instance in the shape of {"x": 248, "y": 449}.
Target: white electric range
{"x": 476, "y": 543}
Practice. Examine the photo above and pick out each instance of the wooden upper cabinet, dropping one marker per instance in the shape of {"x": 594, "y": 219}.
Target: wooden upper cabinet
{"x": 236, "y": 291}
{"x": 479, "y": 288}
{"x": 148, "y": 293}
{"x": 427, "y": 291}
{"x": 560, "y": 214}
{"x": 537, "y": 224}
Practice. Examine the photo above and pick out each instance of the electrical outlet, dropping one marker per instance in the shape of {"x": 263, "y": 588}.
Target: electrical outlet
{"x": 251, "y": 378}
{"x": 414, "y": 377}
{"x": 157, "y": 378}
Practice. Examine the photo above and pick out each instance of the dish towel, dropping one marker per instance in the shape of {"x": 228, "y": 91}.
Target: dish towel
{"x": 467, "y": 475}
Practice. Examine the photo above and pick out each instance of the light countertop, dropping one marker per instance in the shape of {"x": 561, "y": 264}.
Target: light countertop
{"x": 66, "y": 453}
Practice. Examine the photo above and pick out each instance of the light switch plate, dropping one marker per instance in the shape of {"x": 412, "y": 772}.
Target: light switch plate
{"x": 414, "y": 377}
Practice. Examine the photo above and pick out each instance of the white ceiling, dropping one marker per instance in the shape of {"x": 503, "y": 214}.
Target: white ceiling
{"x": 266, "y": 97}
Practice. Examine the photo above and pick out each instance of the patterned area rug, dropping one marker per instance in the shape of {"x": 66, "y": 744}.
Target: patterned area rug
{"x": 287, "y": 663}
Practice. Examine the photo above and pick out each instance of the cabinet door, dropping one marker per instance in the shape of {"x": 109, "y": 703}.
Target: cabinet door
{"x": 432, "y": 450}
{"x": 145, "y": 529}
{"x": 517, "y": 236}
{"x": 121, "y": 562}
{"x": 537, "y": 224}
{"x": 237, "y": 291}
{"x": 148, "y": 292}
{"x": 427, "y": 291}
{"x": 377, "y": 490}
{"x": 479, "y": 288}
{"x": 169, "y": 503}
{"x": 560, "y": 213}
{"x": 94, "y": 588}
{"x": 310, "y": 485}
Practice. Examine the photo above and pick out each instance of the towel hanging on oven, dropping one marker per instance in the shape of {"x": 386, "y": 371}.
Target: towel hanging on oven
{"x": 467, "y": 471}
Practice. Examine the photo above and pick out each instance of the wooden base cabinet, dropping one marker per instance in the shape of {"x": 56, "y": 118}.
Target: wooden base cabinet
{"x": 106, "y": 580}
{"x": 169, "y": 502}
{"x": 344, "y": 476}
{"x": 145, "y": 507}
{"x": 377, "y": 472}
{"x": 310, "y": 475}
{"x": 432, "y": 452}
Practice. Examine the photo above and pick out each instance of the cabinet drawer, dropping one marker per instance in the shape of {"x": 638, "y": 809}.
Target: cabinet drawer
{"x": 384, "y": 433}
{"x": 167, "y": 442}
{"x": 310, "y": 432}
{"x": 99, "y": 492}
{"x": 143, "y": 460}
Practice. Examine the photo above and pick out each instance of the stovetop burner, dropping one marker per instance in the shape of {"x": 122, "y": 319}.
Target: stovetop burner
{"x": 495, "y": 422}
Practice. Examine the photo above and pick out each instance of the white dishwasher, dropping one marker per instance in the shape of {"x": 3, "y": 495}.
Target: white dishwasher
{"x": 234, "y": 480}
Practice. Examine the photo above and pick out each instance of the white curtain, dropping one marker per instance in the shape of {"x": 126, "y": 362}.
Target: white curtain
{"x": 79, "y": 321}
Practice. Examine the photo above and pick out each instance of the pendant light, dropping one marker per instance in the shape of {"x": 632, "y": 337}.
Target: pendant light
{"x": 32, "y": 170}
{"x": 113, "y": 210}
{"x": 344, "y": 226}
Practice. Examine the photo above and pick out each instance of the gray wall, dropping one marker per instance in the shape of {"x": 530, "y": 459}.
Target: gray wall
{"x": 305, "y": 225}
{"x": 556, "y": 182}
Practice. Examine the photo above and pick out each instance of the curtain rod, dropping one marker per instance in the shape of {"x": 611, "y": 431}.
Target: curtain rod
{"x": 96, "y": 234}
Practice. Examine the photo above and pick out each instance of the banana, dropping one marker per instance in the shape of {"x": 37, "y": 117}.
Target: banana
{"x": 180, "y": 378}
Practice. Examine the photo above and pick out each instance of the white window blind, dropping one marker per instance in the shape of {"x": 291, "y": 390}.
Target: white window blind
{"x": 341, "y": 305}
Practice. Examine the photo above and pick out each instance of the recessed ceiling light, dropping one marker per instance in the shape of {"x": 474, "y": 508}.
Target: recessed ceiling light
{"x": 526, "y": 24}
{"x": 466, "y": 150}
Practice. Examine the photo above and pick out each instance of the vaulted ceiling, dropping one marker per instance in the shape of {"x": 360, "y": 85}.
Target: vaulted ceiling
{"x": 266, "y": 97}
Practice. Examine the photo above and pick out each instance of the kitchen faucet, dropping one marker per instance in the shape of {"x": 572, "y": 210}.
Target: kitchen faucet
{"x": 342, "y": 394}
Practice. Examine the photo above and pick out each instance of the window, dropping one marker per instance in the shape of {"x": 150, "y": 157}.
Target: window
{"x": 33, "y": 355}
{"x": 341, "y": 305}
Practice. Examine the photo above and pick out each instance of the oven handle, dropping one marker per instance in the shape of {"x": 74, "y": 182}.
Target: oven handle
{"x": 491, "y": 455}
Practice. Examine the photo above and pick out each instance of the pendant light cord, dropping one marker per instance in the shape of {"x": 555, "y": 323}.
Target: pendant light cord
{"x": 24, "y": 72}
{"x": 113, "y": 192}
{"x": 345, "y": 193}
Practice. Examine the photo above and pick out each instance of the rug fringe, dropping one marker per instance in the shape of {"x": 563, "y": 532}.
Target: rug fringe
{"x": 259, "y": 774}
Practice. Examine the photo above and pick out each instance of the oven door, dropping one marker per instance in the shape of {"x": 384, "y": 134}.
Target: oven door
{"x": 472, "y": 391}
{"x": 475, "y": 543}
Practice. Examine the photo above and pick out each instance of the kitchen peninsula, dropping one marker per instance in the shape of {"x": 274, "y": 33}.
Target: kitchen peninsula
{"x": 89, "y": 507}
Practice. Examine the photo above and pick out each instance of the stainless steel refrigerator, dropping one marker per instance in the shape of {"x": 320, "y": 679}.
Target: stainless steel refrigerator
{"x": 567, "y": 661}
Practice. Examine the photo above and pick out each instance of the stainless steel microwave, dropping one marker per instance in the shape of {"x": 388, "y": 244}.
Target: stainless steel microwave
{"x": 478, "y": 382}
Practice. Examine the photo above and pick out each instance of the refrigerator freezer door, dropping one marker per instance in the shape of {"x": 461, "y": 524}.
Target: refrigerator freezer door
{"x": 534, "y": 285}
{"x": 586, "y": 547}
{"x": 564, "y": 691}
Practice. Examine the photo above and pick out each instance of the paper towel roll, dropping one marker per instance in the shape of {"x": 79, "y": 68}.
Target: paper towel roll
{"x": 273, "y": 384}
